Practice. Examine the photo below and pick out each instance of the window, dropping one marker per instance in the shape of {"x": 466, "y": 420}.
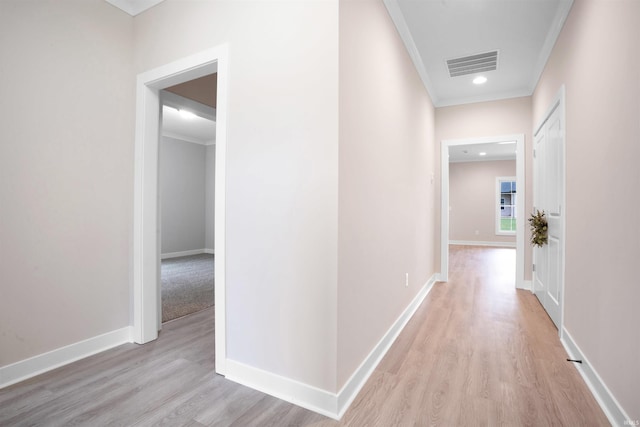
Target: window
{"x": 506, "y": 205}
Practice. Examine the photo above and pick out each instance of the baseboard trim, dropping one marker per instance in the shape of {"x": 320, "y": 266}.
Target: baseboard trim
{"x": 475, "y": 243}
{"x": 25, "y": 369}
{"x": 209, "y": 251}
{"x": 607, "y": 401}
{"x": 300, "y": 394}
{"x": 332, "y": 405}
{"x": 358, "y": 379}
{"x": 526, "y": 285}
{"x": 184, "y": 253}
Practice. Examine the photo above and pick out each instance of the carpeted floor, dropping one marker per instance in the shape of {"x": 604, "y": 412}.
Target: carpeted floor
{"x": 187, "y": 285}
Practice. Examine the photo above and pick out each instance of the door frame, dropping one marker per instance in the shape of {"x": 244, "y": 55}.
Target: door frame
{"x": 559, "y": 103}
{"x": 444, "y": 201}
{"x": 146, "y": 227}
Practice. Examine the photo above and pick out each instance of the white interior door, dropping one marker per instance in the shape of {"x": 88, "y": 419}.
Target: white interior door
{"x": 549, "y": 196}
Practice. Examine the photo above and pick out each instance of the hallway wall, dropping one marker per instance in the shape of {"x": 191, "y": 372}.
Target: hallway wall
{"x": 386, "y": 192}
{"x": 602, "y": 152}
{"x": 66, "y": 173}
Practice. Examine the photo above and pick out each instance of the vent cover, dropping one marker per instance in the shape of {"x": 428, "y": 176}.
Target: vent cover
{"x": 473, "y": 64}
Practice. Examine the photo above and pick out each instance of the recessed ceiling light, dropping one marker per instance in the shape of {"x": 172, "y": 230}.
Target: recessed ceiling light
{"x": 482, "y": 154}
{"x": 480, "y": 80}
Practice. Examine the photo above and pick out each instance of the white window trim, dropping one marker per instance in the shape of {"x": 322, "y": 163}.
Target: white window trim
{"x": 500, "y": 179}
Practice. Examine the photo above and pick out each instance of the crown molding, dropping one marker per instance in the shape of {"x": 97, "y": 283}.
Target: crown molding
{"x": 550, "y": 41}
{"x": 403, "y": 29}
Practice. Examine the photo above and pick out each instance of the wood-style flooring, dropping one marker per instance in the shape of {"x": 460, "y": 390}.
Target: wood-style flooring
{"x": 477, "y": 352}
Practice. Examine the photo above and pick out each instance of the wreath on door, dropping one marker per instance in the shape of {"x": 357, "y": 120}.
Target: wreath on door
{"x": 538, "y": 224}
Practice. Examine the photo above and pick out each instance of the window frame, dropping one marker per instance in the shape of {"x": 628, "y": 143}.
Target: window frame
{"x": 499, "y": 206}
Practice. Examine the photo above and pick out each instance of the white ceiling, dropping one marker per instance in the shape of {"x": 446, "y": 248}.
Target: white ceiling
{"x": 493, "y": 151}
{"x": 523, "y": 32}
{"x": 194, "y": 129}
{"x": 198, "y": 127}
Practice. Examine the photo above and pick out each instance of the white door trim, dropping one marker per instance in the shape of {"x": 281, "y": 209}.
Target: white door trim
{"x": 444, "y": 198}
{"x": 146, "y": 250}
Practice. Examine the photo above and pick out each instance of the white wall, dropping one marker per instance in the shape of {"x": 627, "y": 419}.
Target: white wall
{"x": 66, "y": 173}
{"x": 473, "y": 200}
{"x": 210, "y": 196}
{"x": 386, "y": 210}
{"x": 602, "y": 152}
{"x": 281, "y": 171}
{"x": 183, "y": 173}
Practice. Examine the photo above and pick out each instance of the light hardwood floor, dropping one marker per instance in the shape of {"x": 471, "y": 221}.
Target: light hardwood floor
{"x": 477, "y": 352}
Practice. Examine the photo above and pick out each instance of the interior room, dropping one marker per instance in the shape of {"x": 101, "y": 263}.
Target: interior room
{"x": 187, "y": 197}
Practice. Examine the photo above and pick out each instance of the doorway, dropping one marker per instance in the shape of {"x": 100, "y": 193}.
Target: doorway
{"x": 519, "y": 206}
{"x": 186, "y": 182}
{"x": 146, "y": 247}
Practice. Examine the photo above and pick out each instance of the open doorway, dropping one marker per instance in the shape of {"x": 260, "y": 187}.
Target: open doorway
{"x": 146, "y": 230}
{"x": 187, "y": 197}
{"x": 494, "y": 226}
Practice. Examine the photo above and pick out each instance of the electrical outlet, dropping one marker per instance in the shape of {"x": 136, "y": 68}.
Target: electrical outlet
{"x": 406, "y": 280}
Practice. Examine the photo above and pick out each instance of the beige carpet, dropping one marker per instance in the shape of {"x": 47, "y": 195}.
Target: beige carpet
{"x": 187, "y": 285}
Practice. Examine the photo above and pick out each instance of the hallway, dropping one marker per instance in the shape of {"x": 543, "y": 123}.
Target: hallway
{"x": 477, "y": 352}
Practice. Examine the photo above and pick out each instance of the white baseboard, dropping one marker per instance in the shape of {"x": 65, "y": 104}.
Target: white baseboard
{"x": 607, "y": 401}
{"x": 329, "y": 404}
{"x": 476, "y": 243}
{"x": 300, "y": 394}
{"x": 358, "y": 379}
{"x": 526, "y": 285}
{"x": 209, "y": 251}
{"x": 183, "y": 253}
{"x": 24, "y": 369}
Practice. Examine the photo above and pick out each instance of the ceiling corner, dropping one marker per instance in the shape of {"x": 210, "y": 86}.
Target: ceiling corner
{"x": 134, "y": 7}
{"x": 452, "y": 102}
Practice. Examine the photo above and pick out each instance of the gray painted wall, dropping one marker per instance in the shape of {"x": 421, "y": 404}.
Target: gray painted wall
{"x": 210, "y": 194}
{"x": 183, "y": 174}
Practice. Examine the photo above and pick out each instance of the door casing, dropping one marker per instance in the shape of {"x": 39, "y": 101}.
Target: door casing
{"x": 444, "y": 199}
{"x": 146, "y": 226}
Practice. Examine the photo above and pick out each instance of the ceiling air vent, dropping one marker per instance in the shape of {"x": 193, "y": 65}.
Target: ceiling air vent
{"x": 473, "y": 64}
